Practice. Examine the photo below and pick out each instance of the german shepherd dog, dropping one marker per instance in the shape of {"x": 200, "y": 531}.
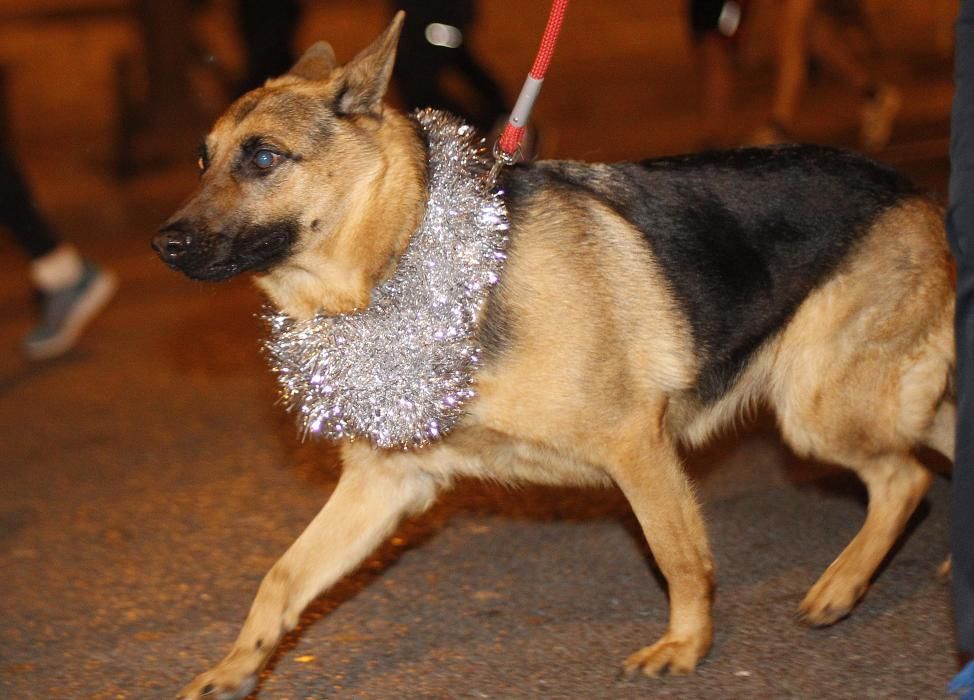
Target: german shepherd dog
{"x": 642, "y": 307}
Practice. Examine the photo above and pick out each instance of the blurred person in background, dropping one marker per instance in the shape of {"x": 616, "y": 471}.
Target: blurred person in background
{"x": 714, "y": 28}
{"x": 267, "y": 28}
{"x": 960, "y": 231}
{"x": 817, "y": 29}
{"x": 71, "y": 289}
{"x": 433, "y": 48}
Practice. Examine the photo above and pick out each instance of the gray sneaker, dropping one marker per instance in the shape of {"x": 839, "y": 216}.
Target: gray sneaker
{"x": 66, "y": 313}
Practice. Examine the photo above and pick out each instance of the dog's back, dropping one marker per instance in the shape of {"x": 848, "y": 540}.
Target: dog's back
{"x": 742, "y": 237}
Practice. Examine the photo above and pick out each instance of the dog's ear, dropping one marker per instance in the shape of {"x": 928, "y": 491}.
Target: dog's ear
{"x": 317, "y": 63}
{"x": 366, "y": 77}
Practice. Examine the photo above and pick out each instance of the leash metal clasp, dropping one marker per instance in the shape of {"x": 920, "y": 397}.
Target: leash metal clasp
{"x": 501, "y": 159}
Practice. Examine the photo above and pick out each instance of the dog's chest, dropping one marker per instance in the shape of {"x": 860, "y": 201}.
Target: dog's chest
{"x": 399, "y": 372}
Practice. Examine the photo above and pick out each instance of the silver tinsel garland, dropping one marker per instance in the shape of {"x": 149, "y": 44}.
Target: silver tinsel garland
{"x": 400, "y": 371}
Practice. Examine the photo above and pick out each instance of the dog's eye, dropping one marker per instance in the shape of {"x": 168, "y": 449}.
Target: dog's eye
{"x": 201, "y": 164}
{"x": 265, "y": 159}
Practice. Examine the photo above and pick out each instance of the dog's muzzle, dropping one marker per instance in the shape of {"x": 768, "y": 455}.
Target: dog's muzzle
{"x": 215, "y": 257}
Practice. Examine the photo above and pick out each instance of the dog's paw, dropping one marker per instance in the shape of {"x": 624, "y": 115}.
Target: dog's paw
{"x": 677, "y": 656}
{"x": 831, "y": 598}
{"x": 218, "y": 684}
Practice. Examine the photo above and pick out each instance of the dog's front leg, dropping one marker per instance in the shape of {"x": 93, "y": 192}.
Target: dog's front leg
{"x": 646, "y": 466}
{"x": 374, "y": 493}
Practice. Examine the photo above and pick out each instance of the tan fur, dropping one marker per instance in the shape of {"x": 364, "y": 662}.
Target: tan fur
{"x": 597, "y": 387}
{"x": 337, "y": 272}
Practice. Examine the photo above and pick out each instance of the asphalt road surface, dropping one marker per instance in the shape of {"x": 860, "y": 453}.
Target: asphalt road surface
{"x": 148, "y": 481}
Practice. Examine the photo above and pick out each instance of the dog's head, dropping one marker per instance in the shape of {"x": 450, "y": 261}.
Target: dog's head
{"x": 309, "y": 181}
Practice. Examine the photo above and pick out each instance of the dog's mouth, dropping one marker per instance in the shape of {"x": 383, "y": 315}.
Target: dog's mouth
{"x": 217, "y": 257}
{"x": 270, "y": 249}
{"x": 217, "y": 272}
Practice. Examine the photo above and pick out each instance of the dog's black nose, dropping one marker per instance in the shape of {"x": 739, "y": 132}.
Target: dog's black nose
{"x": 171, "y": 244}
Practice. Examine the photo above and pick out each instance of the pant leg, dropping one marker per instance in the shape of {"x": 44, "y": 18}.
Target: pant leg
{"x": 960, "y": 227}
{"x": 492, "y": 105}
{"x": 19, "y": 213}
{"x": 419, "y": 69}
{"x": 267, "y": 28}
{"x": 792, "y": 57}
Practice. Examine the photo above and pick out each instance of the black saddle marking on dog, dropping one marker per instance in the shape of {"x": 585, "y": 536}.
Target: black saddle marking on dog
{"x": 742, "y": 236}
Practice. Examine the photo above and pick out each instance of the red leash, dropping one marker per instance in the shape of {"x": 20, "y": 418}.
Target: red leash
{"x": 507, "y": 148}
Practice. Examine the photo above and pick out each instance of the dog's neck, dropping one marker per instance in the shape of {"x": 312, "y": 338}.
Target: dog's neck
{"x": 400, "y": 371}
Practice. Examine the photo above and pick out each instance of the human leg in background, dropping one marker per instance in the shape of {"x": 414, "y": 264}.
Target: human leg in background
{"x": 491, "y": 105}
{"x": 72, "y": 290}
{"x": 828, "y": 38}
{"x": 812, "y": 29}
{"x": 714, "y": 26}
{"x": 434, "y": 46}
{"x": 792, "y": 58}
{"x": 267, "y": 29}
{"x": 717, "y": 89}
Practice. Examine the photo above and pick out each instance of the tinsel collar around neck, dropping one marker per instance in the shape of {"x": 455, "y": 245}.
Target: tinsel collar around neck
{"x": 400, "y": 372}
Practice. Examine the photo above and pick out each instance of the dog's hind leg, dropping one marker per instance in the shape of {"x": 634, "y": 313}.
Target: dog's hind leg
{"x": 644, "y": 463}
{"x": 861, "y": 378}
{"x": 867, "y": 416}
{"x": 896, "y": 483}
{"x": 866, "y": 410}
{"x": 371, "y": 497}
